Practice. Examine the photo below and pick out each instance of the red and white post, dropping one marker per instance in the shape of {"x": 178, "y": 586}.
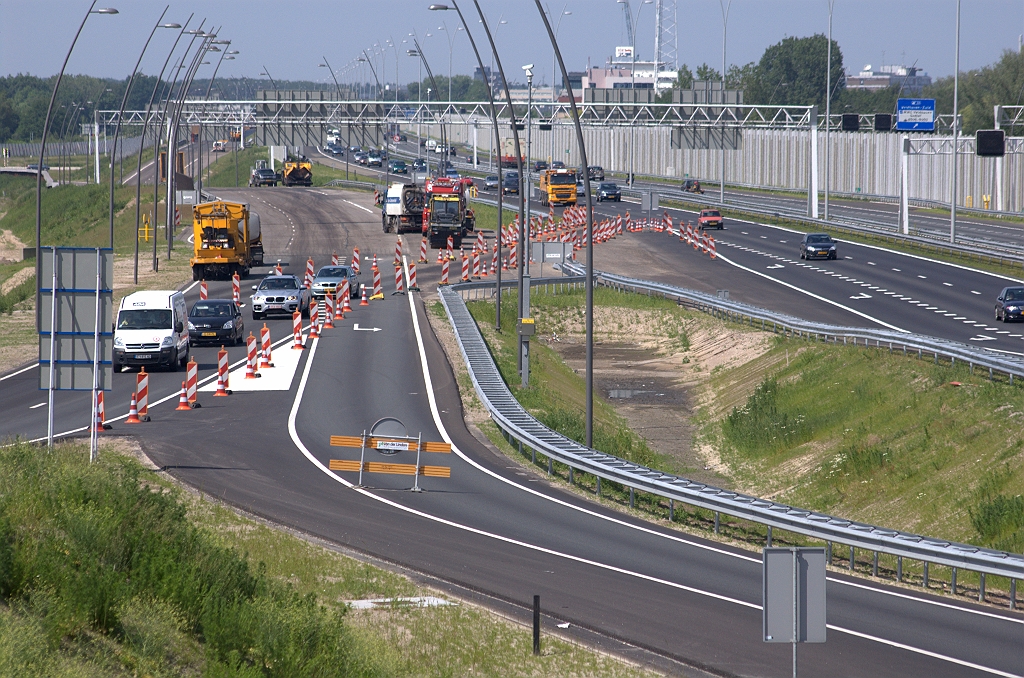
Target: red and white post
{"x": 222, "y": 373}
{"x": 236, "y": 289}
{"x": 192, "y": 383}
{"x": 204, "y": 292}
{"x": 297, "y": 331}
{"x": 413, "y": 287}
{"x": 423, "y": 251}
{"x": 142, "y": 394}
{"x": 265, "y": 347}
{"x": 250, "y": 361}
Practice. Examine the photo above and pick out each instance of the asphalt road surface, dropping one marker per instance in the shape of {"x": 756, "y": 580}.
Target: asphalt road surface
{"x": 492, "y": 528}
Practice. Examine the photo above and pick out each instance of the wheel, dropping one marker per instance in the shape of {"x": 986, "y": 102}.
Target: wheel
{"x": 118, "y": 367}
{"x": 185, "y": 358}
{"x": 802, "y": 255}
{"x": 257, "y": 316}
{"x": 174, "y": 364}
{"x": 304, "y": 312}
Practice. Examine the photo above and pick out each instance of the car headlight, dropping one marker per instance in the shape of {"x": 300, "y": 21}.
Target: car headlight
{"x": 292, "y": 297}
{"x": 810, "y": 247}
{"x": 229, "y": 325}
{"x": 832, "y": 248}
{"x": 118, "y": 342}
{"x": 1013, "y": 309}
{"x": 168, "y": 341}
{"x": 191, "y": 327}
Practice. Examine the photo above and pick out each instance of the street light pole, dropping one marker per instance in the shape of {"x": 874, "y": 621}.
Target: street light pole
{"x": 828, "y": 108}
{"x": 725, "y": 25}
{"x": 956, "y": 128}
{"x": 554, "y": 95}
{"x": 632, "y": 85}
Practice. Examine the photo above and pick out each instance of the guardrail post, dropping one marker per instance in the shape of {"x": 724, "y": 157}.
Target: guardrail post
{"x": 981, "y": 588}
{"x": 718, "y": 517}
{"x": 536, "y": 625}
{"x": 533, "y": 455}
{"x": 899, "y": 569}
{"x": 1013, "y": 594}
{"x": 598, "y": 486}
{"x": 852, "y": 558}
{"x": 631, "y": 497}
{"x": 671, "y": 510}
{"x": 952, "y": 582}
{"x": 549, "y": 465}
{"x": 828, "y": 553}
{"x": 874, "y": 565}
{"x": 572, "y": 479}
{"x": 769, "y": 536}
{"x": 925, "y": 577}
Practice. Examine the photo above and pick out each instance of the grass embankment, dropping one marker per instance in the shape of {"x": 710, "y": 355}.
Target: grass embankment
{"x": 108, "y": 570}
{"x": 556, "y": 395}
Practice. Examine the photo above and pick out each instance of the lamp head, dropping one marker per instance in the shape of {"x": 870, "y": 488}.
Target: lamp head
{"x": 105, "y": 10}
{"x": 435, "y": 8}
{"x": 172, "y": 25}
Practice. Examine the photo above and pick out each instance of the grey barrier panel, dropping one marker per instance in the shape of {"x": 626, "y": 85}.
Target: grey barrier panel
{"x": 784, "y": 569}
{"x": 516, "y": 422}
{"x": 76, "y": 319}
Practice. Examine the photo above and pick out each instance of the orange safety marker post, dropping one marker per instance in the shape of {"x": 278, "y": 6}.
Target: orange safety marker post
{"x": 494, "y": 258}
{"x": 480, "y": 241}
{"x": 444, "y": 272}
{"x": 476, "y": 263}
{"x": 441, "y": 256}
{"x": 399, "y": 286}
{"x": 192, "y": 382}
{"x": 236, "y": 289}
{"x": 314, "y": 321}
{"x": 711, "y": 247}
{"x": 465, "y": 268}
{"x": 339, "y": 314}
{"x": 142, "y": 394}
{"x": 183, "y": 400}
{"x": 346, "y": 297}
{"x": 423, "y": 251}
{"x": 100, "y": 420}
{"x": 297, "y": 331}
{"x": 265, "y": 347}
{"x": 309, "y": 273}
{"x": 412, "y": 278}
{"x": 278, "y": 270}
{"x": 204, "y": 291}
{"x": 355, "y": 259}
{"x": 222, "y": 373}
{"x": 398, "y": 251}
{"x": 250, "y": 360}
{"x": 133, "y": 412}
{"x": 364, "y": 302}
{"x": 328, "y": 311}
{"x": 451, "y": 246}
{"x": 378, "y": 289}
{"x": 334, "y": 258}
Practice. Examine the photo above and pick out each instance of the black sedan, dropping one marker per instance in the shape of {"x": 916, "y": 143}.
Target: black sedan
{"x": 215, "y": 321}
{"x": 608, "y": 191}
{"x": 510, "y": 185}
{"x": 817, "y": 246}
{"x": 1010, "y": 304}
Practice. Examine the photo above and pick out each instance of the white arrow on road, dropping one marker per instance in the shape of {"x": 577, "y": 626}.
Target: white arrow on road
{"x": 357, "y": 328}
{"x": 861, "y": 296}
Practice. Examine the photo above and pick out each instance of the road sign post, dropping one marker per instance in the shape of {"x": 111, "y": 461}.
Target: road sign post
{"x": 793, "y": 596}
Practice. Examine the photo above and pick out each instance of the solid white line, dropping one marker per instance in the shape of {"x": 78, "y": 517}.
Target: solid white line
{"x": 937, "y": 603}
{"x": 32, "y": 407}
{"x": 359, "y": 206}
{"x": 21, "y": 371}
{"x": 812, "y": 294}
{"x": 926, "y": 653}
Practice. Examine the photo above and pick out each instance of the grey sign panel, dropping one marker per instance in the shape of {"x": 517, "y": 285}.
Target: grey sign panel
{"x": 648, "y": 202}
{"x": 779, "y": 600}
{"x": 75, "y": 323}
{"x": 551, "y": 252}
{"x": 707, "y": 138}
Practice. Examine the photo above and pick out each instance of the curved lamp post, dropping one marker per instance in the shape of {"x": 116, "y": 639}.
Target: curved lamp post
{"x": 585, "y": 170}
{"x": 39, "y": 171}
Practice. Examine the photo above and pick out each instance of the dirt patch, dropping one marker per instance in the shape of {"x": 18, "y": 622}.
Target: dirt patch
{"x": 10, "y": 247}
{"x": 16, "y": 279}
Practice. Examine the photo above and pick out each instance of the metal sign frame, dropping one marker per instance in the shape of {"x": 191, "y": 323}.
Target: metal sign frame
{"x": 793, "y": 596}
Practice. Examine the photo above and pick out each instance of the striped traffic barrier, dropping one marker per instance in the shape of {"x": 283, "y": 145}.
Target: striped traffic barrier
{"x": 444, "y": 272}
{"x": 328, "y": 311}
{"x": 183, "y": 400}
{"x": 192, "y": 381}
{"x": 711, "y": 247}
{"x": 297, "y": 331}
{"x": 398, "y": 250}
{"x": 100, "y": 418}
{"x": 355, "y": 259}
{"x": 480, "y": 245}
{"x": 339, "y": 314}
{"x": 465, "y": 268}
{"x": 494, "y": 258}
{"x": 222, "y": 373}
{"x": 250, "y": 361}
{"x": 278, "y": 270}
{"x": 423, "y": 251}
{"x": 334, "y": 258}
{"x": 363, "y": 301}
{"x": 399, "y": 282}
{"x": 142, "y": 394}
{"x": 204, "y": 291}
{"x": 314, "y": 321}
{"x": 265, "y": 347}
{"x": 236, "y": 289}
{"x": 133, "y": 412}
{"x": 346, "y": 297}
{"x": 309, "y": 273}
{"x": 374, "y": 264}
{"x": 378, "y": 288}
{"x": 451, "y": 246}
{"x": 413, "y": 287}
{"x": 476, "y": 263}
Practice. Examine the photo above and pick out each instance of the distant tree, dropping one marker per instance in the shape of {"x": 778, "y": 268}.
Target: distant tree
{"x": 742, "y": 77}
{"x": 1000, "y": 84}
{"x": 9, "y": 119}
{"x": 705, "y": 72}
{"x": 792, "y": 72}
{"x": 31, "y": 116}
{"x": 684, "y": 80}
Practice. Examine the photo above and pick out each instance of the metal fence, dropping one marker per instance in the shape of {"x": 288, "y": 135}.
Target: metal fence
{"x": 519, "y": 426}
{"x": 125, "y": 147}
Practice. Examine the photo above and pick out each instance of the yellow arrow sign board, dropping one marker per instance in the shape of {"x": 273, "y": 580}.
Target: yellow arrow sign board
{"x": 383, "y": 467}
{"x": 390, "y": 444}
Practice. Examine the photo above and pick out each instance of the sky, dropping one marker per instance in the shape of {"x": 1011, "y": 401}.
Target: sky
{"x": 291, "y": 37}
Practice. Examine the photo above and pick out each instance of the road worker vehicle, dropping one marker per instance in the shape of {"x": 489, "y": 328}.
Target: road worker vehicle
{"x": 226, "y": 240}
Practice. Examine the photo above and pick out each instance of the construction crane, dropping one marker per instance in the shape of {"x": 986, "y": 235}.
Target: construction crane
{"x": 629, "y": 20}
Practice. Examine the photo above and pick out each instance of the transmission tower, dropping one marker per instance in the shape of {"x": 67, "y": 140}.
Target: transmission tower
{"x": 666, "y": 47}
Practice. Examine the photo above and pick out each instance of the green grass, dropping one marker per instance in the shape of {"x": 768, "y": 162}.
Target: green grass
{"x": 221, "y": 173}
{"x": 107, "y": 569}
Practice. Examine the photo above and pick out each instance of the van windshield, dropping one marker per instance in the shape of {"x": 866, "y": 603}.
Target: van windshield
{"x": 562, "y": 179}
{"x": 152, "y": 319}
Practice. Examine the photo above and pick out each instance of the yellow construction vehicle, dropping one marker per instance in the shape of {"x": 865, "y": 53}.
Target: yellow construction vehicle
{"x": 226, "y": 239}
{"x": 558, "y": 186}
{"x": 297, "y": 173}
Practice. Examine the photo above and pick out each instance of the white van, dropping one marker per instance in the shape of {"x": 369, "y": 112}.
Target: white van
{"x": 430, "y": 144}
{"x": 151, "y": 330}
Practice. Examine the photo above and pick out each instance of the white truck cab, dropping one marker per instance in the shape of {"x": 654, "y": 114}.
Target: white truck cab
{"x": 151, "y": 330}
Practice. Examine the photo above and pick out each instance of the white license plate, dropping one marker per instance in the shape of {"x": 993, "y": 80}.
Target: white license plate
{"x": 275, "y": 306}
{"x": 143, "y": 356}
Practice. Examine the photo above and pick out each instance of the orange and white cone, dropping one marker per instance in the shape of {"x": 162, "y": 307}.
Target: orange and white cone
{"x": 99, "y": 422}
{"x": 364, "y": 301}
{"x": 133, "y": 412}
{"x": 183, "y": 400}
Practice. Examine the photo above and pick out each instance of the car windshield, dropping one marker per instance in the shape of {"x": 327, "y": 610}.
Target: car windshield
{"x": 609, "y": 187}
{"x": 562, "y": 179}
{"x": 207, "y": 310}
{"x": 279, "y": 284}
{"x": 151, "y": 319}
{"x": 332, "y": 272}
{"x": 1014, "y": 294}
{"x": 818, "y": 239}
{"x": 711, "y": 213}
{"x": 492, "y": 178}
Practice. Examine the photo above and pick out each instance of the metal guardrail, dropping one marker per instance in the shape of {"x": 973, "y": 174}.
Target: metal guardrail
{"x": 521, "y": 426}
{"x": 345, "y": 183}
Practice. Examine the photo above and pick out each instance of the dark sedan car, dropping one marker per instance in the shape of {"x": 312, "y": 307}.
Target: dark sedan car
{"x": 510, "y": 186}
{"x": 818, "y": 246}
{"x": 215, "y": 321}
{"x": 607, "y": 190}
{"x": 1010, "y": 304}
{"x": 596, "y": 173}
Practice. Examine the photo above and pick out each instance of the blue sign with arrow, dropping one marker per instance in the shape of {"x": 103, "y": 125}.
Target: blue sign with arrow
{"x": 915, "y": 115}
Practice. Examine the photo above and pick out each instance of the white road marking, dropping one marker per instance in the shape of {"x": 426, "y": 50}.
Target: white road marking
{"x": 861, "y": 296}
{"x": 871, "y": 263}
{"x": 357, "y": 328}
{"x": 981, "y": 337}
{"x": 897, "y": 270}
{"x": 33, "y": 407}
{"x": 359, "y": 206}
{"x": 975, "y": 292}
{"x": 948, "y": 284}
{"x": 775, "y": 266}
{"x": 923, "y": 277}
{"x": 21, "y": 371}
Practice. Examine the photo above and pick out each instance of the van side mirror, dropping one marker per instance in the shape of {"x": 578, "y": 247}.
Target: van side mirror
{"x": 254, "y": 286}
{"x": 178, "y": 327}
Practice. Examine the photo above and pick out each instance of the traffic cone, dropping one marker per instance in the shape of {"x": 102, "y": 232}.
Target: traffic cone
{"x": 101, "y": 414}
{"x": 133, "y": 412}
{"x": 183, "y": 400}
{"x": 221, "y": 387}
{"x": 364, "y": 301}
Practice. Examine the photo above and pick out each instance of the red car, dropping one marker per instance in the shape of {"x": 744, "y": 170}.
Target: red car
{"x": 710, "y": 219}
